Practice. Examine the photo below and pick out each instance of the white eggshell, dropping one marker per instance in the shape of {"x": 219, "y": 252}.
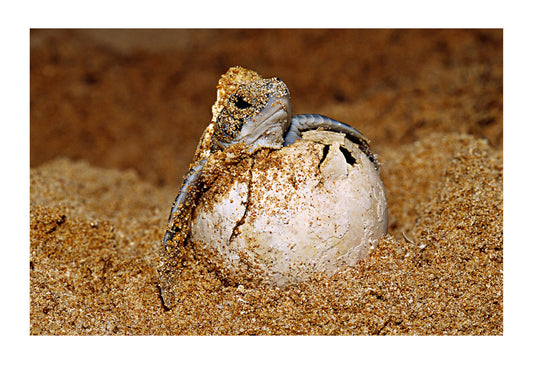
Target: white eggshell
{"x": 295, "y": 211}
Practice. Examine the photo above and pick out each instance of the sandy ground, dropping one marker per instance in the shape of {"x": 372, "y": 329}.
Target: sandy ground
{"x": 115, "y": 118}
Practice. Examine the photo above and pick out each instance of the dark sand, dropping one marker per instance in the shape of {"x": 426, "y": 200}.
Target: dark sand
{"x": 115, "y": 118}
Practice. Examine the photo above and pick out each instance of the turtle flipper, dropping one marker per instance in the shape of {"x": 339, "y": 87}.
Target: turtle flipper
{"x": 176, "y": 234}
{"x": 184, "y": 202}
{"x": 306, "y": 122}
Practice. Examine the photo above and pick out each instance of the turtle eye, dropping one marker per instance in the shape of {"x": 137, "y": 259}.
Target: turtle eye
{"x": 241, "y": 103}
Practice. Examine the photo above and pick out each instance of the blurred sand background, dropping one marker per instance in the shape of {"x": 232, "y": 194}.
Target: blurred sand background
{"x": 116, "y": 116}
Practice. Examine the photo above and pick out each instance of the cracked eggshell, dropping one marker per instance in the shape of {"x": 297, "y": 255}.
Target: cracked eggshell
{"x": 318, "y": 205}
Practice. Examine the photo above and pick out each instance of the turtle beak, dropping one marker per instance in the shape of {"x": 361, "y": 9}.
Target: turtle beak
{"x": 267, "y": 129}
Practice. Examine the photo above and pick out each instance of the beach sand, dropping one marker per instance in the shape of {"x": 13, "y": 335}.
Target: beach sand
{"x": 115, "y": 119}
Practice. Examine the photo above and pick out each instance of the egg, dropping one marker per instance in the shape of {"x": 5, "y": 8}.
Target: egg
{"x": 283, "y": 215}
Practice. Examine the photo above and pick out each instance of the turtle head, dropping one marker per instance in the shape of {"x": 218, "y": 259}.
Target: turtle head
{"x": 257, "y": 114}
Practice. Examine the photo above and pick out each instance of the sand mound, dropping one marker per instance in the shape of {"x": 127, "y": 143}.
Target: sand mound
{"x": 95, "y": 237}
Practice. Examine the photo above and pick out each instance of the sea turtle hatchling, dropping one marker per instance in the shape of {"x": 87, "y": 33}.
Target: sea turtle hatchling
{"x": 250, "y": 111}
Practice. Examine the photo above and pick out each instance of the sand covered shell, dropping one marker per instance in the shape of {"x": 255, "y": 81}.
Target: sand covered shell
{"x": 318, "y": 205}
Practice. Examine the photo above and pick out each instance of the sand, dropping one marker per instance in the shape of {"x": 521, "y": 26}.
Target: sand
{"x": 114, "y": 124}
